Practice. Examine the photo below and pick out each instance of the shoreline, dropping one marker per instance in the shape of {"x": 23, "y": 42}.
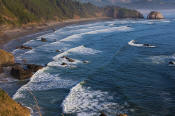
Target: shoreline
{"x": 17, "y": 38}
{"x": 12, "y": 38}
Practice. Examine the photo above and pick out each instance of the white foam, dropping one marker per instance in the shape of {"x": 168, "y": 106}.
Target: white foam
{"x": 158, "y": 59}
{"x": 42, "y": 80}
{"x": 58, "y": 60}
{"x": 165, "y": 21}
{"x": 87, "y": 102}
{"x": 162, "y": 59}
{"x": 83, "y": 50}
{"x": 132, "y": 43}
{"x": 76, "y": 37}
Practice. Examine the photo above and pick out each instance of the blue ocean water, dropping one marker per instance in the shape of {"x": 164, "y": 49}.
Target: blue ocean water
{"x": 112, "y": 72}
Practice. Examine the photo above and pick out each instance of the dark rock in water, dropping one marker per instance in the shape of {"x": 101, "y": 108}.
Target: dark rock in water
{"x": 43, "y": 39}
{"x": 24, "y": 47}
{"x": 58, "y": 51}
{"x": 34, "y": 67}
{"x": 122, "y": 115}
{"x": 22, "y": 72}
{"x": 53, "y": 29}
{"x": 6, "y": 58}
{"x": 65, "y": 57}
{"x": 171, "y": 62}
{"x": 71, "y": 60}
{"x": 85, "y": 62}
{"x": 155, "y": 15}
{"x": 64, "y": 64}
{"x": 1, "y": 70}
{"x": 102, "y": 114}
{"x": 146, "y": 44}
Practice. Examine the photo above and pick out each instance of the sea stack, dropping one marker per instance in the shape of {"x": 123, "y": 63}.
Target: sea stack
{"x": 155, "y": 15}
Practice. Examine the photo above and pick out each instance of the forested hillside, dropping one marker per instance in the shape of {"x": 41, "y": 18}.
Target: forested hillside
{"x": 24, "y": 11}
{"x": 17, "y": 12}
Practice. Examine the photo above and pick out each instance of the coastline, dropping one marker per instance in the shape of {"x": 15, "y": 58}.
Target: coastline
{"x": 11, "y": 38}
{"x": 18, "y": 36}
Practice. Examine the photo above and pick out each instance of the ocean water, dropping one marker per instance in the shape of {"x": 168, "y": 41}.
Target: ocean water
{"x": 113, "y": 71}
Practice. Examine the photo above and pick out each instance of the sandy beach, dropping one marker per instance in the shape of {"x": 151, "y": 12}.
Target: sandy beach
{"x": 11, "y": 38}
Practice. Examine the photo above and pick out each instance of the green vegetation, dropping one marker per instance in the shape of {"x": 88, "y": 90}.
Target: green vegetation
{"x": 18, "y": 12}
{"x": 9, "y": 107}
{"x": 25, "y": 11}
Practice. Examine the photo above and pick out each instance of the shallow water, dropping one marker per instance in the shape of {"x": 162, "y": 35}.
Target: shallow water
{"x": 118, "y": 77}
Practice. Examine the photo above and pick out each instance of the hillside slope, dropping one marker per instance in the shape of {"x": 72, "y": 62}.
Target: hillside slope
{"x": 17, "y": 12}
{"x": 9, "y": 107}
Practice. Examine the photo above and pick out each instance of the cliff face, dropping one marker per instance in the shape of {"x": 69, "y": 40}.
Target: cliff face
{"x": 122, "y": 13}
{"x": 9, "y": 107}
{"x": 155, "y": 15}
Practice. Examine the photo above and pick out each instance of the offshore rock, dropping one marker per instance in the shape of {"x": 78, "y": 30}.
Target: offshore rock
{"x": 155, "y": 15}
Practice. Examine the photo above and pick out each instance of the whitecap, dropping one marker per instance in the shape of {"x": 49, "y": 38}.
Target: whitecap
{"x": 133, "y": 43}
{"x": 76, "y": 37}
{"x": 87, "y": 102}
{"x": 42, "y": 80}
{"x": 58, "y": 60}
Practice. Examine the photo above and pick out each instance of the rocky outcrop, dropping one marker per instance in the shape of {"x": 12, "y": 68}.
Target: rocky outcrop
{"x": 155, "y": 15}
{"x": 102, "y": 114}
{"x": 6, "y": 58}
{"x": 1, "y": 70}
{"x": 119, "y": 13}
{"x": 26, "y": 71}
{"x": 34, "y": 67}
{"x": 43, "y": 39}
{"x": 122, "y": 115}
{"x": 9, "y": 107}
{"x": 24, "y": 47}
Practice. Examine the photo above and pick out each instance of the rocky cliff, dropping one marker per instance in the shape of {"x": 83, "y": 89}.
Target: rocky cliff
{"x": 155, "y": 15}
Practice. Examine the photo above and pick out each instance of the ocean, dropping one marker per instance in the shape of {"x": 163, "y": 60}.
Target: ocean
{"x": 119, "y": 66}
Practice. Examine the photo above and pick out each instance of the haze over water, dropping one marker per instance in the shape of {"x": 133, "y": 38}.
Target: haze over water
{"x": 111, "y": 73}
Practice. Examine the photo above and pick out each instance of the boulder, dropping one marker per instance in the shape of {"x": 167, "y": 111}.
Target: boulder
{"x": 171, "y": 62}
{"x": 1, "y": 70}
{"x": 9, "y": 107}
{"x": 26, "y": 71}
{"x": 122, "y": 115}
{"x": 58, "y": 51}
{"x": 24, "y": 47}
{"x": 6, "y": 58}
{"x": 102, "y": 114}
{"x": 70, "y": 60}
{"x": 20, "y": 73}
{"x": 64, "y": 64}
{"x": 34, "y": 67}
{"x": 155, "y": 15}
{"x": 43, "y": 39}
{"x": 85, "y": 61}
